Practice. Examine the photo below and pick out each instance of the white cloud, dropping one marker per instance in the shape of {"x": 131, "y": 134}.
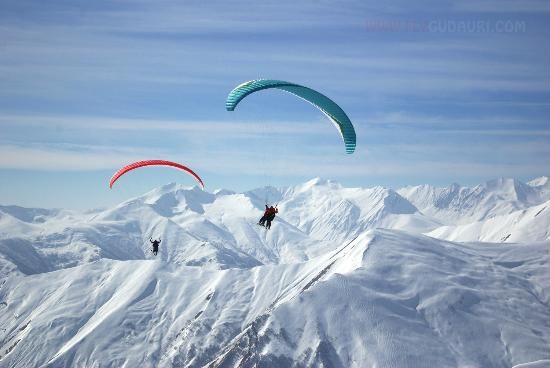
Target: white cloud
{"x": 414, "y": 118}
{"x": 68, "y": 158}
{"x": 282, "y": 164}
{"x": 225, "y": 129}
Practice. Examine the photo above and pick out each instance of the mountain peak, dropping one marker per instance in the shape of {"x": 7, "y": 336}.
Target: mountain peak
{"x": 316, "y": 181}
{"x": 509, "y": 188}
{"x": 539, "y": 182}
{"x": 173, "y": 188}
{"x": 455, "y": 186}
{"x": 223, "y": 192}
{"x": 320, "y": 182}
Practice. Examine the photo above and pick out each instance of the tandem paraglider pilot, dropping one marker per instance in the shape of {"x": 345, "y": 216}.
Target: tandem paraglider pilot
{"x": 269, "y": 215}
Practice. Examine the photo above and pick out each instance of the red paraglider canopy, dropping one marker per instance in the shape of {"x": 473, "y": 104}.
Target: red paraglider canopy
{"x": 139, "y": 164}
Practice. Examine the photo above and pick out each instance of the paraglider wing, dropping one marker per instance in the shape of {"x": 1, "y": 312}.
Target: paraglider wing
{"x": 334, "y": 112}
{"x": 139, "y": 164}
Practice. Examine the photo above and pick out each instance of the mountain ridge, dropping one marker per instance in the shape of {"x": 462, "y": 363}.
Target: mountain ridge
{"x": 341, "y": 269}
{"x": 321, "y": 312}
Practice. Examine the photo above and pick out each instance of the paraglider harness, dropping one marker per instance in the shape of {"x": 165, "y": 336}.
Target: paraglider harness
{"x": 269, "y": 215}
{"x": 155, "y": 245}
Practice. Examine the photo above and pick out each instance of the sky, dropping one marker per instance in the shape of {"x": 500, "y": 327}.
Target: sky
{"x": 438, "y": 91}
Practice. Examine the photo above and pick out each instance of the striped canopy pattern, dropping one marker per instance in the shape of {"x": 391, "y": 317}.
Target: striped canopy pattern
{"x": 334, "y": 112}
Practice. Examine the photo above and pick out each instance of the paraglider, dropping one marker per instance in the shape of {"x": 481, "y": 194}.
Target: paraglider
{"x": 268, "y": 216}
{"x": 271, "y": 216}
{"x": 334, "y": 112}
{"x": 264, "y": 216}
{"x": 155, "y": 243}
{"x": 139, "y": 164}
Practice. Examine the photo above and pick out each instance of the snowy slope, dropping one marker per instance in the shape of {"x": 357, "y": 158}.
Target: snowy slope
{"x": 39, "y": 240}
{"x": 386, "y": 299}
{"x": 542, "y": 181}
{"x": 460, "y": 205}
{"x": 145, "y": 313}
{"x": 412, "y": 302}
{"x": 326, "y": 286}
{"x": 199, "y": 228}
{"x": 326, "y": 210}
{"x": 542, "y": 185}
{"x": 218, "y": 230}
{"x": 529, "y": 225}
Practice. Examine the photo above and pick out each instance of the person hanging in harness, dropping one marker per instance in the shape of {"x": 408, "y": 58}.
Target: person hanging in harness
{"x": 264, "y": 217}
{"x": 271, "y": 216}
{"x": 156, "y": 244}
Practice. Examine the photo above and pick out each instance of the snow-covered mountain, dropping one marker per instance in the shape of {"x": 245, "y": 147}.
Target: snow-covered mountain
{"x": 528, "y": 225}
{"x": 201, "y": 228}
{"x": 542, "y": 181}
{"x": 410, "y": 302}
{"x": 344, "y": 278}
{"x": 326, "y": 210}
{"x": 387, "y": 298}
{"x": 459, "y": 205}
{"x": 541, "y": 184}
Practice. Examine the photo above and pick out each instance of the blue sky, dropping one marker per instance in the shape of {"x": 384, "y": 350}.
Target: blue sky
{"x": 438, "y": 91}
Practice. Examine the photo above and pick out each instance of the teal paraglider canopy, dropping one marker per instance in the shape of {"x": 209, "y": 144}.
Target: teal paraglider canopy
{"x": 334, "y": 112}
